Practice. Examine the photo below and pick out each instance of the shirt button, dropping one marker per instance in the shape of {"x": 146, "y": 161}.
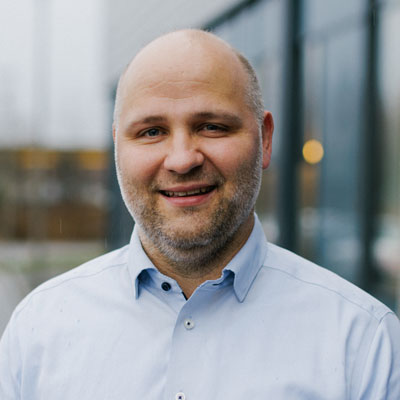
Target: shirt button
{"x": 165, "y": 286}
{"x": 189, "y": 324}
{"x": 180, "y": 396}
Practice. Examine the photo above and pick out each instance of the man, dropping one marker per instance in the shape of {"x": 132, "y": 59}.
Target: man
{"x": 199, "y": 305}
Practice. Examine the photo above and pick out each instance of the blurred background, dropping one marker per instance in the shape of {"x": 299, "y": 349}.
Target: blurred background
{"x": 330, "y": 74}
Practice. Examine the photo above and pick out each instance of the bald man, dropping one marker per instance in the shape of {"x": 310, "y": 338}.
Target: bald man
{"x": 199, "y": 305}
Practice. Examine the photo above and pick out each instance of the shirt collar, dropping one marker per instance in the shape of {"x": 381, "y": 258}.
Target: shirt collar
{"x": 138, "y": 261}
{"x": 248, "y": 261}
{"x": 244, "y": 266}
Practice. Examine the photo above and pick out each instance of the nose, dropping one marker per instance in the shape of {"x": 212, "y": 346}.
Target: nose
{"x": 183, "y": 154}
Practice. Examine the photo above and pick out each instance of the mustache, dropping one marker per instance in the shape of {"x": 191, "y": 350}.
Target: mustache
{"x": 195, "y": 175}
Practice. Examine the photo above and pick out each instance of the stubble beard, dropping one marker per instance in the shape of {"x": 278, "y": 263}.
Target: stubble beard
{"x": 192, "y": 253}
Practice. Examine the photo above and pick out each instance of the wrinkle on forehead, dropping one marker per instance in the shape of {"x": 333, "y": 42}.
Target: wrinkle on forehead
{"x": 182, "y": 88}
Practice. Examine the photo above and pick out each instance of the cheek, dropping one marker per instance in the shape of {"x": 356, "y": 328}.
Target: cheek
{"x": 230, "y": 156}
{"x": 137, "y": 164}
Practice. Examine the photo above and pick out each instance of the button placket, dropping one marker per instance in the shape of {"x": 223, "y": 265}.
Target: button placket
{"x": 184, "y": 339}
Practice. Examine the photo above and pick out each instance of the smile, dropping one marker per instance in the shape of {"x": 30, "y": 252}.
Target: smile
{"x": 195, "y": 192}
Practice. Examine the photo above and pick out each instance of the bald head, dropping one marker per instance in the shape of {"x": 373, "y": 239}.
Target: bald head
{"x": 187, "y": 53}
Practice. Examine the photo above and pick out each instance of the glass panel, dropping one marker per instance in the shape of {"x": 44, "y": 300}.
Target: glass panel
{"x": 323, "y": 15}
{"x": 339, "y": 231}
{"x": 334, "y": 76}
{"x": 387, "y": 241}
{"x": 310, "y": 170}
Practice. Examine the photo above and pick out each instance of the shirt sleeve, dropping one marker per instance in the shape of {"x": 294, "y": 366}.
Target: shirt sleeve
{"x": 9, "y": 375}
{"x": 381, "y": 373}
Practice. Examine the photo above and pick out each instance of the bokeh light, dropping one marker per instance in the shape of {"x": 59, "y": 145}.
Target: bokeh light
{"x": 313, "y": 151}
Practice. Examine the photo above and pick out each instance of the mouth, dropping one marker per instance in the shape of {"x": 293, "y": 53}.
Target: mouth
{"x": 188, "y": 193}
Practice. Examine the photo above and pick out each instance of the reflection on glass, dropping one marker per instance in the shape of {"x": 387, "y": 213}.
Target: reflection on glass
{"x": 333, "y": 71}
{"x": 387, "y": 241}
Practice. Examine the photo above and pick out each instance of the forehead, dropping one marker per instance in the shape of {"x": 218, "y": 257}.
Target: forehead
{"x": 184, "y": 66}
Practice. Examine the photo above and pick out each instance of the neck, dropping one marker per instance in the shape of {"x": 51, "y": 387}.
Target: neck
{"x": 210, "y": 267}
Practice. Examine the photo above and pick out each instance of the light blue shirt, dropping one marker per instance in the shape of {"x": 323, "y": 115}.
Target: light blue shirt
{"x": 274, "y": 326}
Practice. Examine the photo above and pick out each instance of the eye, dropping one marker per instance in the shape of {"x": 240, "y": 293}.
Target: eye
{"x": 152, "y": 132}
{"x": 213, "y": 127}
{"x": 214, "y": 130}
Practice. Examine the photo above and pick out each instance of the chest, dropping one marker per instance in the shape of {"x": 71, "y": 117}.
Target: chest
{"x": 202, "y": 352}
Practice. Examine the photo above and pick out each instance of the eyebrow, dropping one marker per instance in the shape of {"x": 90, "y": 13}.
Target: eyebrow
{"x": 150, "y": 119}
{"x": 207, "y": 115}
{"x": 228, "y": 117}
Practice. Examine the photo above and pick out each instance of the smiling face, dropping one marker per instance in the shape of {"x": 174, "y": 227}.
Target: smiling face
{"x": 189, "y": 149}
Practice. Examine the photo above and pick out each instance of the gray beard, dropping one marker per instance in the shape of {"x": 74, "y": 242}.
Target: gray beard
{"x": 194, "y": 255}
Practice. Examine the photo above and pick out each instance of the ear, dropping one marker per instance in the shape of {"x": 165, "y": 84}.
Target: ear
{"x": 267, "y": 131}
{"x": 114, "y": 131}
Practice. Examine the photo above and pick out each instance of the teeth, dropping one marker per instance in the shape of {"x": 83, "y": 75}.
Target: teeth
{"x": 188, "y": 193}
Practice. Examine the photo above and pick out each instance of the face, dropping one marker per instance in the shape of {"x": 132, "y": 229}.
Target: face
{"x": 189, "y": 157}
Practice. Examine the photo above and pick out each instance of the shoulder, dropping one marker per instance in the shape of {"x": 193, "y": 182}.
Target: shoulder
{"x": 99, "y": 268}
{"x": 320, "y": 284}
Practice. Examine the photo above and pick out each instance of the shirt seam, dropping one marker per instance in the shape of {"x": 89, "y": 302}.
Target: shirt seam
{"x": 36, "y": 292}
{"x": 368, "y": 353}
{"x": 379, "y": 319}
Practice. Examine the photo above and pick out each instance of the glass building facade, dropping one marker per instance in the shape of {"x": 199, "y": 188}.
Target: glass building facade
{"x": 330, "y": 74}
